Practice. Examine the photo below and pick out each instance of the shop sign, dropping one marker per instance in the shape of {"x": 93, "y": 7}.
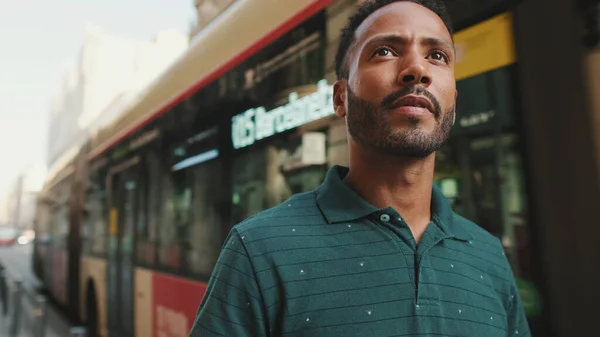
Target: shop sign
{"x": 484, "y": 47}
{"x": 476, "y": 119}
{"x": 258, "y": 123}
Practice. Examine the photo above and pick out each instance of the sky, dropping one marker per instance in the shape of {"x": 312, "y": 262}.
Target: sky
{"x": 38, "y": 39}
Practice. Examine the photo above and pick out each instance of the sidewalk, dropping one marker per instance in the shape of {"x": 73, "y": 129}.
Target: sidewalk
{"x": 5, "y": 328}
{"x": 28, "y": 323}
{"x": 16, "y": 261}
{"x": 30, "y": 310}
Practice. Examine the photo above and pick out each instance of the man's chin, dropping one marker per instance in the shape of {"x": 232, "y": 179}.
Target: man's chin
{"x": 405, "y": 126}
{"x": 414, "y": 136}
{"x": 413, "y": 145}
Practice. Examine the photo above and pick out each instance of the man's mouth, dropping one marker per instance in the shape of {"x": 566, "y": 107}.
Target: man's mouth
{"x": 414, "y": 101}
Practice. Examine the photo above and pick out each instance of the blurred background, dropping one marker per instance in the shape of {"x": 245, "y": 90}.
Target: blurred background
{"x": 134, "y": 134}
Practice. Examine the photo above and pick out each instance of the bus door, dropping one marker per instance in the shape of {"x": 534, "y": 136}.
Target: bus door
{"x": 124, "y": 203}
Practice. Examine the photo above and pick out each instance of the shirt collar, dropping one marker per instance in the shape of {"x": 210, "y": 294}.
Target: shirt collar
{"x": 339, "y": 203}
{"x": 443, "y": 216}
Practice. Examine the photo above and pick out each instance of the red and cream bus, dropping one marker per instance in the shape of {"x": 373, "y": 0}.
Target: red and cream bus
{"x": 134, "y": 220}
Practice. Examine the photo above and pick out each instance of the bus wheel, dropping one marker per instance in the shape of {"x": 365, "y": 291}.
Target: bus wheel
{"x": 92, "y": 312}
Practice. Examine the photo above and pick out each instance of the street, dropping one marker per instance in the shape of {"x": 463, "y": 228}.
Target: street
{"x": 17, "y": 263}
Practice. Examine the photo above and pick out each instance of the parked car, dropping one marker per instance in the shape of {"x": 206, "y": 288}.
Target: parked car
{"x": 9, "y": 236}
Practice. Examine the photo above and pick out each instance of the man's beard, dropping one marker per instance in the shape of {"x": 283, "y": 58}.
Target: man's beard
{"x": 369, "y": 126}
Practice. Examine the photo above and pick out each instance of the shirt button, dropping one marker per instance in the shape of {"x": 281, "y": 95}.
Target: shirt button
{"x": 384, "y": 218}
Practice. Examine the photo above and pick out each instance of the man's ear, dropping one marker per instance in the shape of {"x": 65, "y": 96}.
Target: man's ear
{"x": 340, "y": 95}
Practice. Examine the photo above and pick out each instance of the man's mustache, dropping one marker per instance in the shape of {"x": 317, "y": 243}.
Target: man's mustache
{"x": 389, "y": 100}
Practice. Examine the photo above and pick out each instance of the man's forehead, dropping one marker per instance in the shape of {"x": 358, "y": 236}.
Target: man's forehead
{"x": 403, "y": 17}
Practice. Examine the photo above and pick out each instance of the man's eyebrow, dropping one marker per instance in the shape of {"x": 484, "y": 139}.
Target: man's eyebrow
{"x": 387, "y": 39}
{"x": 401, "y": 40}
{"x": 437, "y": 42}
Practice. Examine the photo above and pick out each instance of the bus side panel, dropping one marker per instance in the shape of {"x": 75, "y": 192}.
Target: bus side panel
{"x": 59, "y": 275}
{"x": 175, "y": 301}
{"x": 95, "y": 269}
{"x": 143, "y": 302}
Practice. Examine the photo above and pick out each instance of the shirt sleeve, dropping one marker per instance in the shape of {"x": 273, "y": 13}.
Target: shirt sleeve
{"x": 232, "y": 305}
{"x": 517, "y": 320}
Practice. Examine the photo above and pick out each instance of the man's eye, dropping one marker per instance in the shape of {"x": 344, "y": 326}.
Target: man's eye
{"x": 382, "y": 52}
{"x": 439, "y": 56}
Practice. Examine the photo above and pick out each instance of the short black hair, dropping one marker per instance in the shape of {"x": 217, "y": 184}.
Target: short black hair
{"x": 363, "y": 12}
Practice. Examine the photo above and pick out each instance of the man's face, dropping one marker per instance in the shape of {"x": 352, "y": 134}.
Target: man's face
{"x": 401, "y": 92}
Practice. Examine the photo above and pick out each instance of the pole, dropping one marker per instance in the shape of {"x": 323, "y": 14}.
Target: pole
{"x": 3, "y": 295}
{"x": 19, "y": 192}
{"x": 14, "y": 327}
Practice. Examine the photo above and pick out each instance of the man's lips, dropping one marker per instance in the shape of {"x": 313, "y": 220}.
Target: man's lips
{"x": 413, "y": 101}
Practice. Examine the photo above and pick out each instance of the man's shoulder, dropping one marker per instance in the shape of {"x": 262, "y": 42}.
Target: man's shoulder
{"x": 300, "y": 209}
{"x": 485, "y": 253}
{"x": 488, "y": 241}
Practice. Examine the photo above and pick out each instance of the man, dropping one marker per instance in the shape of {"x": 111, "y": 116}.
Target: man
{"x": 375, "y": 250}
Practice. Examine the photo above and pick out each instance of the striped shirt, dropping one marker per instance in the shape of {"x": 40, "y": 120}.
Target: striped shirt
{"x": 327, "y": 263}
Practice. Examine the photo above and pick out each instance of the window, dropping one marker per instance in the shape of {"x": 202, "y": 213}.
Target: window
{"x": 95, "y": 221}
{"x": 60, "y": 223}
{"x": 169, "y": 254}
{"x": 204, "y": 234}
{"x": 148, "y": 216}
{"x": 193, "y": 215}
{"x": 267, "y": 176}
{"x": 97, "y": 218}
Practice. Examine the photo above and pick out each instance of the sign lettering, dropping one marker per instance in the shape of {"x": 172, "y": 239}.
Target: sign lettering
{"x": 174, "y": 305}
{"x": 171, "y": 323}
{"x": 477, "y": 119}
{"x": 258, "y": 123}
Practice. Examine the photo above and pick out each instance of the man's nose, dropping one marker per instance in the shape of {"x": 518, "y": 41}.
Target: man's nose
{"x": 415, "y": 71}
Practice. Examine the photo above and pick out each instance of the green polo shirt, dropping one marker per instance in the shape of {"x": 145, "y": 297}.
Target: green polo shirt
{"x": 327, "y": 263}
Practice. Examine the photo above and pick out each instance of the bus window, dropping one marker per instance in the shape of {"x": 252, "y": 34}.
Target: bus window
{"x": 267, "y": 176}
{"x": 149, "y": 217}
{"x": 190, "y": 234}
{"x": 204, "y": 234}
{"x": 97, "y": 221}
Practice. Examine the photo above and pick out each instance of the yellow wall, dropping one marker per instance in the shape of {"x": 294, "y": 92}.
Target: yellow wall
{"x": 483, "y": 47}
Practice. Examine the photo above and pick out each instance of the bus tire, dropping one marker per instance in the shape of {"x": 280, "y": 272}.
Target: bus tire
{"x": 91, "y": 311}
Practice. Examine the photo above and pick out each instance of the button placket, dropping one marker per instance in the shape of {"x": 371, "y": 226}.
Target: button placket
{"x": 431, "y": 238}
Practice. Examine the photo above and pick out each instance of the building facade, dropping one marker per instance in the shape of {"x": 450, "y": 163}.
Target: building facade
{"x": 206, "y": 11}
{"x": 109, "y": 73}
{"x": 20, "y": 202}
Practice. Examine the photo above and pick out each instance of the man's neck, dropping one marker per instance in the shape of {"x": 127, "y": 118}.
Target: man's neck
{"x": 404, "y": 183}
